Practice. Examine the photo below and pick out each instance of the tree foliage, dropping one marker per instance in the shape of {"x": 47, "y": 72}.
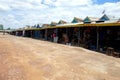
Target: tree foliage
{"x": 1, "y": 27}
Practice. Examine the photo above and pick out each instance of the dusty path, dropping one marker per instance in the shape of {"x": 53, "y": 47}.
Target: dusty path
{"x": 30, "y": 59}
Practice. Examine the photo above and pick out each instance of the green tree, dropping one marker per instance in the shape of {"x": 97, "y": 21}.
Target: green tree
{"x": 1, "y": 27}
{"x": 9, "y": 28}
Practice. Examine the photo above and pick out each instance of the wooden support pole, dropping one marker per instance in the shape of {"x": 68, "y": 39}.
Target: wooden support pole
{"x": 97, "y": 42}
{"x": 46, "y": 34}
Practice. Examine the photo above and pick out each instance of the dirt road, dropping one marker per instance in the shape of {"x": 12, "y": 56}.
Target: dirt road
{"x": 30, "y": 59}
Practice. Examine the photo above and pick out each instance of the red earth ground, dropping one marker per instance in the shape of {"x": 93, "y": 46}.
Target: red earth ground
{"x": 29, "y": 59}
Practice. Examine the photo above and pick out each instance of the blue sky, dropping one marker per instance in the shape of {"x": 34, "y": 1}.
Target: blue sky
{"x": 19, "y": 13}
{"x": 104, "y": 1}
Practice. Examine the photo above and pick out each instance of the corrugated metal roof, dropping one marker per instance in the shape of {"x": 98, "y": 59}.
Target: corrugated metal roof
{"x": 62, "y": 22}
{"x": 106, "y": 24}
{"x": 70, "y": 24}
{"x": 113, "y": 18}
{"x": 108, "y": 18}
{"x": 53, "y": 23}
{"x": 77, "y": 20}
{"x": 45, "y": 25}
{"x": 118, "y": 20}
{"x": 91, "y": 19}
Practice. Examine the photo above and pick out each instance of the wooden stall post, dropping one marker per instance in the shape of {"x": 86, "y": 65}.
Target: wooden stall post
{"x": 45, "y": 34}
{"x": 78, "y": 36}
{"x": 97, "y": 42}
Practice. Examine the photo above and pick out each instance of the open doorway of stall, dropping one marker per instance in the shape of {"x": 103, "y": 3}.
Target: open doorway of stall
{"x": 42, "y": 34}
{"x": 70, "y": 35}
{"x": 32, "y": 33}
{"x": 27, "y": 33}
{"x": 19, "y": 33}
{"x": 36, "y": 34}
{"x": 90, "y": 38}
{"x": 84, "y": 37}
{"x": 109, "y": 37}
{"x": 13, "y": 32}
{"x": 63, "y": 35}
{"x": 49, "y": 33}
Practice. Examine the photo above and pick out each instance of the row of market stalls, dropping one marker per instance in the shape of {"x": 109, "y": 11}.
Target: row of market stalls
{"x": 91, "y": 33}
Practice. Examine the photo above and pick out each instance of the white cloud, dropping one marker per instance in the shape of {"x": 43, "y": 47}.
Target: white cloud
{"x": 19, "y": 13}
{"x": 67, "y": 3}
{"x": 9, "y": 21}
{"x": 4, "y": 8}
{"x": 73, "y": 2}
